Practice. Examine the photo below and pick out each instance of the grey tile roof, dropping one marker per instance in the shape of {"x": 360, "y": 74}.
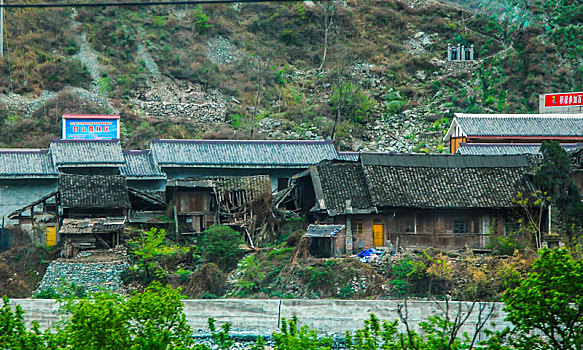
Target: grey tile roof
{"x": 16, "y": 195}
{"x": 352, "y": 156}
{"x": 26, "y": 164}
{"x": 93, "y": 191}
{"x": 93, "y": 225}
{"x": 421, "y": 181}
{"x": 521, "y": 124}
{"x": 235, "y": 153}
{"x": 141, "y": 165}
{"x": 87, "y": 153}
{"x": 341, "y": 188}
{"x": 423, "y": 187}
{"x": 443, "y": 160}
{"x": 509, "y": 148}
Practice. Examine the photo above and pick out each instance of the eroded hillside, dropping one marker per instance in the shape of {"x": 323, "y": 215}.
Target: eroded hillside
{"x": 232, "y": 71}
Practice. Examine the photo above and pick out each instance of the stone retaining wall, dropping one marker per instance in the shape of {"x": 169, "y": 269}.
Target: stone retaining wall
{"x": 264, "y": 316}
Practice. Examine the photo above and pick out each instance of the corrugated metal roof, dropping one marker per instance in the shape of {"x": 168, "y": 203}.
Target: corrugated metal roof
{"x": 26, "y": 164}
{"x": 249, "y": 153}
{"x": 141, "y": 165}
{"x": 323, "y": 230}
{"x": 443, "y": 160}
{"x": 87, "y": 153}
{"x": 509, "y": 148}
{"x": 521, "y": 124}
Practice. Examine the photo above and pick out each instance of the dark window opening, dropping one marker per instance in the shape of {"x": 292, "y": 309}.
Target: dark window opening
{"x": 357, "y": 228}
{"x": 282, "y": 183}
{"x": 461, "y": 226}
{"x": 410, "y": 226}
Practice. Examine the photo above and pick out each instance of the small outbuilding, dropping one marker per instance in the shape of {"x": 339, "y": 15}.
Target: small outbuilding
{"x": 323, "y": 239}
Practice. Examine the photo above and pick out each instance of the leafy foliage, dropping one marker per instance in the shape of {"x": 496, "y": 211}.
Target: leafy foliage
{"x": 548, "y": 302}
{"x": 149, "y": 248}
{"x": 13, "y": 332}
{"x": 292, "y": 337}
{"x": 221, "y": 245}
{"x": 149, "y": 320}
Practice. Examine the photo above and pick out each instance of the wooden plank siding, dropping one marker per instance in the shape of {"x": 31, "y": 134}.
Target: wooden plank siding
{"x": 423, "y": 228}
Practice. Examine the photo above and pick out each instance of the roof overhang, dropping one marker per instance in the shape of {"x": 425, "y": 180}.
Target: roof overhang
{"x": 30, "y": 205}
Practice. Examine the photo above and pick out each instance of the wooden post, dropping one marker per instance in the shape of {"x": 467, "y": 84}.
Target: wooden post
{"x": 1, "y": 28}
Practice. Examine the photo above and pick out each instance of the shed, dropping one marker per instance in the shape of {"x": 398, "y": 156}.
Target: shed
{"x": 323, "y": 239}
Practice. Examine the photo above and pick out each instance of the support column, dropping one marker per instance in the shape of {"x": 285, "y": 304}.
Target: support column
{"x": 459, "y": 52}
{"x": 348, "y": 238}
{"x": 448, "y": 52}
{"x": 463, "y": 53}
{"x": 472, "y": 52}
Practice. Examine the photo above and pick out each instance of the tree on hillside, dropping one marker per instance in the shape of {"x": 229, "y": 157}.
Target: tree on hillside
{"x": 350, "y": 103}
{"x": 328, "y": 9}
{"x": 553, "y": 176}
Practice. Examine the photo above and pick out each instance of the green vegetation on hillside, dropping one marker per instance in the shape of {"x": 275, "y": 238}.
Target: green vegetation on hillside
{"x": 266, "y": 56}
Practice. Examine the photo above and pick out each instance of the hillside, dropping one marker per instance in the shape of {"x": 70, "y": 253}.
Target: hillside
{"x": 232, "y": 71}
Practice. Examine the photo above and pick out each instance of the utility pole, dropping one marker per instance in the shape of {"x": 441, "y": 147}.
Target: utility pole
{"x": 1, "y": 28}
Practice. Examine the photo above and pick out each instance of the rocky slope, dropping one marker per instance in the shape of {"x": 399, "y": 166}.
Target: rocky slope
{"x": 229, "y": 71}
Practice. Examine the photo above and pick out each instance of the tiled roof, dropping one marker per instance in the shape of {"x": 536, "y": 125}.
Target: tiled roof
{"x": 14, "y": 196}
{"x": 422, "y": 187}
{"x": 141, "y": 165}
{"x": 250, "y": 153}
{"x": 509, "y": 148}
{"x": 443, "y": 160}
{"x": 87, "y": 153}
{"x": 256, "y": 183}
{"x": 26, "y": 164}
{"x": 352, "y": 156}
{"x": 420, "y": 181}
{"x": 341, "y": 188}
{"x": 520, "y": 124}
{"x": 93, "y": 191}
{"x": 92, "y": 225}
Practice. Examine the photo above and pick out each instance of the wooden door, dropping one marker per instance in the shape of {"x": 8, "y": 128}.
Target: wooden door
{"x": 378, "y": 229}
{"x": 51, "y": 232}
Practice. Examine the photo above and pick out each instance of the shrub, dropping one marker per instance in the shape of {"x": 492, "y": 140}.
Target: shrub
{"x": 221, "y": 245}
{"x": 207, "y": 280}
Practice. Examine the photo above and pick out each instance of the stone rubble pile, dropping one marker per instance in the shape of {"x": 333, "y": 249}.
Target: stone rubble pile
{"x": 93, "y": 277}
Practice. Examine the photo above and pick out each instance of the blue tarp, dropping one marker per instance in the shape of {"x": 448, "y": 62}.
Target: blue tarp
{"x": 370, "y": 254}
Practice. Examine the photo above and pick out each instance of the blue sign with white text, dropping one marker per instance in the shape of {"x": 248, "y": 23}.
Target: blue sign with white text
{"x": 90, "y": 129}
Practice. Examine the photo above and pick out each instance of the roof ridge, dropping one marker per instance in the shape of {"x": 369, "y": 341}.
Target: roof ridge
{"x": 242, "y": 141}
{"x": 84, "y": 141}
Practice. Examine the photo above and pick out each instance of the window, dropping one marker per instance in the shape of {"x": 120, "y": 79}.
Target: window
{"x": 410, "y": 226}
{"x": 357, "y": 228}
{"x": 461, "y": 226}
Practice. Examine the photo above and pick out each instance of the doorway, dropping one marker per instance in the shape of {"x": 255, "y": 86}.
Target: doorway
{"x": 378, "y": 229}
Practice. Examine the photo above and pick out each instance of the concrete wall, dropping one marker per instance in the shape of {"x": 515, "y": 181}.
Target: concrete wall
{"x": 327, "y": 316}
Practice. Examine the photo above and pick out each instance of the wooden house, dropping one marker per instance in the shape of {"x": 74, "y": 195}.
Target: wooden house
{"x": 419, "y": 201}
{"x": 513, "y": 128}
{"x": 202, "y": 202}
{"x": 94, "y": 209}
{"x": 280, "y": 160}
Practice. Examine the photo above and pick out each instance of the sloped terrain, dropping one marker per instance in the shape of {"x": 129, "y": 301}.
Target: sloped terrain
{"x": 229, "y": 71}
